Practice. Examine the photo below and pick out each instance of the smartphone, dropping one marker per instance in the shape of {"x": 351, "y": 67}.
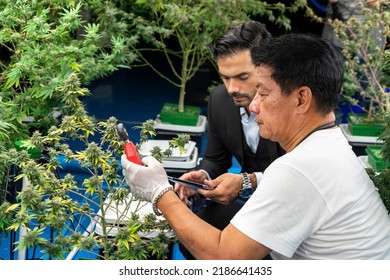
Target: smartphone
{"x": 192, "y": 185}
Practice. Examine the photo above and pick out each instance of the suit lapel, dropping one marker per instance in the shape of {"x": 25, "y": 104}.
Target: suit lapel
{"x": 234, "y": 121}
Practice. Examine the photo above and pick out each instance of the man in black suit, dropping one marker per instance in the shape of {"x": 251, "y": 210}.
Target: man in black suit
{"x": 232, "y": 131}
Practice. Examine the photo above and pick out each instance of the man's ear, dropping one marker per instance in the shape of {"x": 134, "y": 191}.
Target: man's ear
{"x": 304, "y": 99}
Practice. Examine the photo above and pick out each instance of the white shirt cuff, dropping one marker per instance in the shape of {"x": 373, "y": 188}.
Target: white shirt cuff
{"x": 259, "y": 176}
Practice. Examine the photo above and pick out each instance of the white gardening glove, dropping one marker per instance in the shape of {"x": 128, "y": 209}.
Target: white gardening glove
{"x": 148, "y": 182}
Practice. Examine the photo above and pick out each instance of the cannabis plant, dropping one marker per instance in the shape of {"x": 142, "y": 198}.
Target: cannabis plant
{"x": 72, "y": 210}
{"x": 43, "y": 43}
{"x": 61, "y": 214}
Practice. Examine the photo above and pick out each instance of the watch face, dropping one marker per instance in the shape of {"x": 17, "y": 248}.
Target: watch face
{"x": 246, "y": 193}
{"x": 247, "y": 189}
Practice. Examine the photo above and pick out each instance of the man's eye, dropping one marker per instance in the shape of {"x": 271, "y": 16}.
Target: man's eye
{"x": 243, "y": 78}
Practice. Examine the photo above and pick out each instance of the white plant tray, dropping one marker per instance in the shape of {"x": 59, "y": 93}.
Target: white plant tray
{"x": 358, "y": 139}
{"x": 147, "y": 146}
{"x": 366, "y": 164}
{"x": 119, "y": 214}
{"x": 180, "y": 165}
{"x": 364, "y": 161}
{"x": 199, "y": 128}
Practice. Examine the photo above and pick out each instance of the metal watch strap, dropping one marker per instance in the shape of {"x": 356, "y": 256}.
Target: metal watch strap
{"x": 247, "y": 188}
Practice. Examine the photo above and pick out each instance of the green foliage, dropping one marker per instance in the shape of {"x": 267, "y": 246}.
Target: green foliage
{"x": 49, "y": 202}
{"x": 177, "y": 142}
{"x": 385, "y": 136}
{"x": 382, "y": 179}
{"x": 365, "y": 47}
{"x": 147, "y": 130}
{"x": 367, "y": 63}
{"x": 382, "y": 182}
{"x": 181, "y": 31}
{"x": 5, "y": 217}
{"x": 367, "y": 58}
{"x": 54, "y": 203}
{"x": 50, "y": 51}
{"x": 45, "y": 45}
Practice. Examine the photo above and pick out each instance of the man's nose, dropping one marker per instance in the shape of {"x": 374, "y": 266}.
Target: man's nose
{"x": 232, "y": 87}
{"x": 254, "y": 105}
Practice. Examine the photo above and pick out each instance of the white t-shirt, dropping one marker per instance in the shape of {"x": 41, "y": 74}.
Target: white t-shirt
{"x": 317, "y": 202}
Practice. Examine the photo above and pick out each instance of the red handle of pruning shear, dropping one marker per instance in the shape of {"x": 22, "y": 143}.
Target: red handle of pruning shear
{"x": 131, "y": 153}
{"x": 130, "y": 149}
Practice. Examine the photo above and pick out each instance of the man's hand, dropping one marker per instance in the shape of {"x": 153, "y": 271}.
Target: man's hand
{"x": 184, "y": 192}
{"x": 226, "y": 188}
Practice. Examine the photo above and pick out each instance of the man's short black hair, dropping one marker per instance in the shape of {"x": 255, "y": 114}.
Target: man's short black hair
{"x": 304, "y": 60}
{"x": 239, "y": 37}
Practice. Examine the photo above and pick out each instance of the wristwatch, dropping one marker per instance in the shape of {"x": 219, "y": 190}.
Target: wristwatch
{"x": 247, "y": 188}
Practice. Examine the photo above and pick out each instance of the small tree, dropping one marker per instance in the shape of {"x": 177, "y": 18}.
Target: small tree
{"x": 367, "y": 58}
{"x": 183, "y": 30}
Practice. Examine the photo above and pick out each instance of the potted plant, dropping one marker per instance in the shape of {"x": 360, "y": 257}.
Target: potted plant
{"x": 367, "y": 60}
{"x": 181, "y": 31}
{"x": 375, "y": 158}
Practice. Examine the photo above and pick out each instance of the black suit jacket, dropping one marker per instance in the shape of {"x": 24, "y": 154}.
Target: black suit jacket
{"x": 226, "y": 139}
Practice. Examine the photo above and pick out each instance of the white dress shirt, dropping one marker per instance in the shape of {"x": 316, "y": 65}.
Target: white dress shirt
{"x": 252, "y": 134}
{"x": 250, "y": 128}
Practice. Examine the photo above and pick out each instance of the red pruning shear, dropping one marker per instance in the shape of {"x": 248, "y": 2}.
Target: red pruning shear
{"x": 130, "y": 149}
